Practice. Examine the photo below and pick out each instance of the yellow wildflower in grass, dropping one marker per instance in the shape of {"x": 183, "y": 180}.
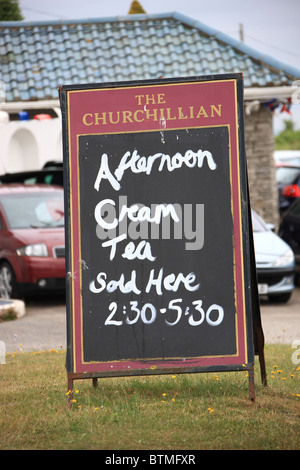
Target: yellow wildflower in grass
{"x": 163, "y": 395}
{"x": 210, "y": 410}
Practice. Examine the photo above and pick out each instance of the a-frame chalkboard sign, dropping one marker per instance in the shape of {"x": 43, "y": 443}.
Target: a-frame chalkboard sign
{"x": 159, "y": 250}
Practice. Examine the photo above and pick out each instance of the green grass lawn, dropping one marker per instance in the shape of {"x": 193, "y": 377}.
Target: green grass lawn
{"x": 183, "y": 412}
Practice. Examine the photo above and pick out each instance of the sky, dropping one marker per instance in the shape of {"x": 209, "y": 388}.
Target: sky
{"x": 269, "y": 26}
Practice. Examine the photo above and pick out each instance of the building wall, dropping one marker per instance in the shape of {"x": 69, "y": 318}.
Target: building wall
{"x": 259, "y": 142}
{"x": 28, "y": 145}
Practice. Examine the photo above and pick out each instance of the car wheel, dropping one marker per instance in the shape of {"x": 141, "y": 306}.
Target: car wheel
{"x": 281, "y": 298}
{"x": 8, "y": 284}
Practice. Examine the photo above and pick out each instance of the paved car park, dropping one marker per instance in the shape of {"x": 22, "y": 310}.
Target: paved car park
{"x": 44, "y": 325}
{"x": 281, "y": 322}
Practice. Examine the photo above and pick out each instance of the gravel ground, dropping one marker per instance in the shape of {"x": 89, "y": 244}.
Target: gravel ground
{"x": 281, "y": 323}
{"x": 44, "y": 325}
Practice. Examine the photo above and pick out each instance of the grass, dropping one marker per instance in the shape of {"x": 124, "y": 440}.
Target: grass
{"x": 182, "y": 412}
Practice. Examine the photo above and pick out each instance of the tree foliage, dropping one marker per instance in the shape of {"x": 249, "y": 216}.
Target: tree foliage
{"x": 10, "y": 10}
{"x": 289, "y": 138}
{"x": 136, "y": 8}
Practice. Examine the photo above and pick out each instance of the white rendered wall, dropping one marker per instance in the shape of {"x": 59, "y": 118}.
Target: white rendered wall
{"x": 28, "y": 145}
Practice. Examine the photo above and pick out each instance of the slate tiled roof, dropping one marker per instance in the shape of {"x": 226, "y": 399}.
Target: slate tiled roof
{"x": 37, "y": 57}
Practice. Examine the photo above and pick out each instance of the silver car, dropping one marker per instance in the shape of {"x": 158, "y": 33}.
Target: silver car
{"x": 275, "y": 262}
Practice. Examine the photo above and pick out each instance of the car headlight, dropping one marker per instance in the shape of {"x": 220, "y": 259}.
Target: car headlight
{"x": 38, "y": 249}
{"x": 285, "y": 259}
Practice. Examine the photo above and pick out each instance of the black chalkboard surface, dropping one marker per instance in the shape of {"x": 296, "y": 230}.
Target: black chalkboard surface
{"x": 159, "y": 267}
{"x": 203, "y": 199}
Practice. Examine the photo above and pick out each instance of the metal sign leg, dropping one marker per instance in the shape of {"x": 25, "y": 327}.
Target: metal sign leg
{"x": 251, "y": 385}
{"x": 70, "y": 390}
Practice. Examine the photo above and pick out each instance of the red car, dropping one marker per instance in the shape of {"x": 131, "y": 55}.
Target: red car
{"x": 32, "y": 240}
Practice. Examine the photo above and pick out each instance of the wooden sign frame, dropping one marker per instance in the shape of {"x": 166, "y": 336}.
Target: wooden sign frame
{"x": 175, "y": 143}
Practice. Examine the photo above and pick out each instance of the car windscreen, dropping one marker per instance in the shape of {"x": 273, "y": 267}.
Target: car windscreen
{"x": 286, "y": 175}
{"x": 40, "y": 210}
{"x": 295, "y": 208}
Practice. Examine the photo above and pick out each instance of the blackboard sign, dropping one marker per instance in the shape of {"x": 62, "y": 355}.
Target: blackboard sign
{"x": 157, "y": 227}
